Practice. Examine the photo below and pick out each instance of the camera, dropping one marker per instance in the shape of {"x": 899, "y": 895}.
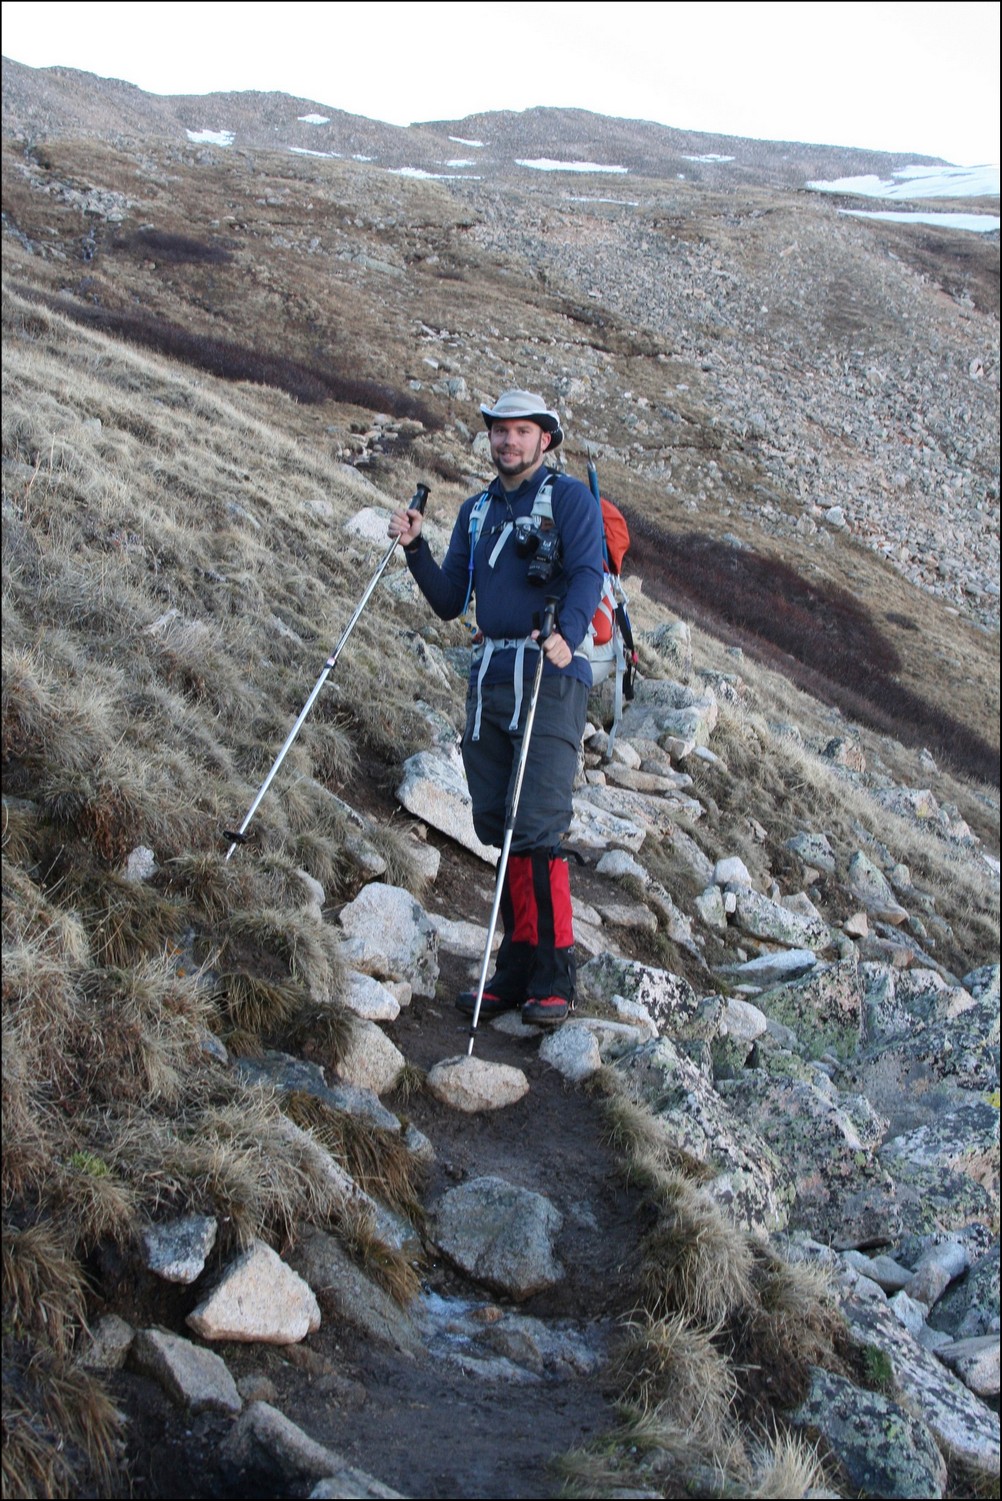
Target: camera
{"x": 542, "y": 546}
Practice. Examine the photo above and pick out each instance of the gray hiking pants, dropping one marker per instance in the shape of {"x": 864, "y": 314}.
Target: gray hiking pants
{"x": 544, "y": 808}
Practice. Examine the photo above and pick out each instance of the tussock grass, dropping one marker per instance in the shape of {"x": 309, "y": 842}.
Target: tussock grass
{"x": 61, "y": 1429}
{"x": 255, "y": 1005}
{"x": 44, "y": 1288}
{"x": 412, "y": 1081}
{"x": 296, "y": 939}
{"x": 670, "y": 1368}
{"x": 322, "y": 1034}
{"x": 786, "y": 1468}
{"x": 377, "y": 1159}
{"x": 384, "y": 1263}
{"x": 639, "y": 1139}
{"x": 125, "y": 921}
{"x": 724, "y": 1333}
{"x": 695, "y": 1261}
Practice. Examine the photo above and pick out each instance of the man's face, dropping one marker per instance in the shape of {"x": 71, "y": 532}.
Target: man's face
{"x": 517, "y": 448}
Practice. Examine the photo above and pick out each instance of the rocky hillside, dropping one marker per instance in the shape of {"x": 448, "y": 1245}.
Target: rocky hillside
{"x": 267, "y": 1227}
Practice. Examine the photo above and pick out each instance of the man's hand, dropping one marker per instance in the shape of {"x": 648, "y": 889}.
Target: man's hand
{"x": 405, "y": 526}
{"x": 556, "y": 649}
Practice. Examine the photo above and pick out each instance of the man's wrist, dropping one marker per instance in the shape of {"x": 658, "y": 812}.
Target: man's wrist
{"x": 412, "y": 547}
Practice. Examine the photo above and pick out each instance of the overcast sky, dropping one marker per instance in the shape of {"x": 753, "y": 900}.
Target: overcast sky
{"x": 907, "y": 77}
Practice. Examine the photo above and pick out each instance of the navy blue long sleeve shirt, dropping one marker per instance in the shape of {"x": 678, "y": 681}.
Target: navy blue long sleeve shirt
{"x": 508, "y": 605}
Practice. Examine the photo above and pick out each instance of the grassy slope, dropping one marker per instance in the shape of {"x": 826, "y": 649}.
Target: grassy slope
{"x": 174, "y": 572}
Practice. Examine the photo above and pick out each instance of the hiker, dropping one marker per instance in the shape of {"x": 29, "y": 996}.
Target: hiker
{"x": 513, "y": 558}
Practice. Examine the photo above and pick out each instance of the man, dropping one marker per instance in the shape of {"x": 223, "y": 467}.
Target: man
{"x": 532, "y": 536}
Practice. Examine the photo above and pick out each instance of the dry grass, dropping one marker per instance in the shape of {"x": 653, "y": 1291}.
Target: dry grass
{"x": 724, "y": 1335}
{"x": 174, "y": 573}
{"x": 672, "y": 1369}
{"x": 377, "y": 1159}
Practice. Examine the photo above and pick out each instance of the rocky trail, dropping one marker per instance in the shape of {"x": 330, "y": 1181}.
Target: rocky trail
{"x": 463, "y": 1393}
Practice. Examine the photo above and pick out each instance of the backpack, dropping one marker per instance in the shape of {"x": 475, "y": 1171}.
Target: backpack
{"x": 609, "y": 645}
{"x": 612, "y": 648}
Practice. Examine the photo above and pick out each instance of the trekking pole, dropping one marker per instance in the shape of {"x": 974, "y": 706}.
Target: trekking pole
{"x": 509, "y": 828}
{"x": 239, "y": 836}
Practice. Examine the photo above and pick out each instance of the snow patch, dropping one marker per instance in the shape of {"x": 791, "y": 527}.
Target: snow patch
{"x": 710, "y": 157}
{"x": 461, "y": 161}
{"x": 461, "y": 141}
{"x": 547, "y": 164}
{"x": 983, "y": 224}
{"x": 315, "y": 119}
{"x": 433, "y": 176}
{"x": 590, "y": 198}
{"x": 920, "y": 182}
{"x": 305, "y": 151}
{"x": 212, "y": 137}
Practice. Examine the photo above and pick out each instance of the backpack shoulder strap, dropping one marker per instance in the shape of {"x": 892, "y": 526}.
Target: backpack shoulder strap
{"x": 478, "y": 511}
{"x": 542, "y": 505}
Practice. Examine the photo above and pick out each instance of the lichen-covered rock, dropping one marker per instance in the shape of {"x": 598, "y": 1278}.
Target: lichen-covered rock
{"x": 870, "y": 886}
{"x": 668, "y": 999}
{"x": 883, "y": 1449}
{"x": 971, "y": 1307}
{"x": 814, "y": 849}
{"x": 822, "y": 1008}
{"x": 963, "y": 1426}
{"x": 827, "y": 1143}
{"x": 751, "y": 1180}
{"x": 573, "y": 1051}
{"x": 761, "y": 917}
{"x": 925, "y": 1064}
{"x": 947, "y": 1170}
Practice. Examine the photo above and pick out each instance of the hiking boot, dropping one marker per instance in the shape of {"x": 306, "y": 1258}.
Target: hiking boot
{"x": 545, "y": 1011}
{"x": 491, "y": 1005}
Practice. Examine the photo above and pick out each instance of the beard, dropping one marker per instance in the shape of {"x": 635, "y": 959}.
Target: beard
{"x": 512, "y": 467}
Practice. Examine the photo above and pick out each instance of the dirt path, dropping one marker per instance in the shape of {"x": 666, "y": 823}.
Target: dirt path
{"x": 482, "y": 1416}
{"x": 439, "y": 1426}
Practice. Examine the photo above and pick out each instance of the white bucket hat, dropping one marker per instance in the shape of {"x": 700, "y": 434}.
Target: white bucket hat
{"x": 512, "y": 404}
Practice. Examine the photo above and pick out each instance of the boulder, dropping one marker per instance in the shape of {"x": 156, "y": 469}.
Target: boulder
{"x": 176, "y": 1250}
{"x": 370, "y": 1060}
{"x": 823, "y": 1008}
{"x": 273, "y": 1455}
{"x": 870, "y": 886}
{"x": 963, "y": 1427}
{"x": 472, "y": 1084}
{"x": 573, "y": 1050}
{"x": 500, "y": 1235}
{"x": 192, "y": 1377}
{"x": 763, "y": 918}
{"x": 882, "y": 1449}
{"x": 258, "y": 1298}
{"x": 388, "y": 935}
{"x": 751, "y": 1180}
{"x": 434, "y": 789}
{"x": 827, "y": 1143}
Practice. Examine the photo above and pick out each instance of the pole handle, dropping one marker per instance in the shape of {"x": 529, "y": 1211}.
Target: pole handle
{"x": 549, "y": 620}
{"x": 420, "y": 499}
